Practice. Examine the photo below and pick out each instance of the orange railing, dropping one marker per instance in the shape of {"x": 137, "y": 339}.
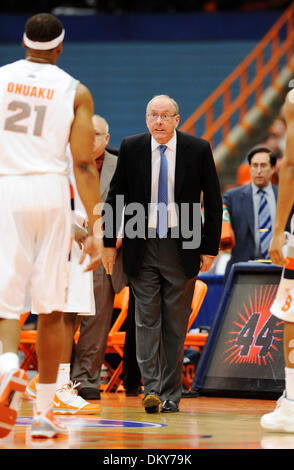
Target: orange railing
{"x": 220, "y": 112}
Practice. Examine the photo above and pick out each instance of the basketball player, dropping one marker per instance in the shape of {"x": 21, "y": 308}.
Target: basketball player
{"x": 282, "y": 418}
{"x": 80, "y": 299}
{"x": 42, "y": 109}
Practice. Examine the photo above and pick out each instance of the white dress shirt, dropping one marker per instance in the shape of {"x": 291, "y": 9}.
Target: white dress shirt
{"x": 170, "y": 154}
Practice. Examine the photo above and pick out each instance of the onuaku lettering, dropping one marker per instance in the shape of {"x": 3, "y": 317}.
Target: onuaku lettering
{"x": 30, "y": 91}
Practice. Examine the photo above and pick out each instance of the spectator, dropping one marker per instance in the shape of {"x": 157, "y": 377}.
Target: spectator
{"x": 252, "y": 237}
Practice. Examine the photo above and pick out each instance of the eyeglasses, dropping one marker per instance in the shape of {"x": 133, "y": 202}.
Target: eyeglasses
{"x": 99, "y": 134}
{"x": 164, "y": 117}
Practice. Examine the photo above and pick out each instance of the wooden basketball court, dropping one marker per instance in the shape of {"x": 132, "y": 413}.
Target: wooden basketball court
{"x": 204, "y": 423}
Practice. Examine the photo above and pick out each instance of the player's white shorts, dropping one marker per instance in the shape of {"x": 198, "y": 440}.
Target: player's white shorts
{"x": 81, "y": 290}
{"x": 36, "y": 220}
{"x": 80, "y": 297}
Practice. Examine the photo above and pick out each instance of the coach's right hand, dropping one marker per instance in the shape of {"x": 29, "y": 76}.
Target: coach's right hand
{"x": 108, "y": 259}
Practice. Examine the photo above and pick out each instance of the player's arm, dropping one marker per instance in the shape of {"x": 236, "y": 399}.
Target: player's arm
{"x": 81, "y": 143}
{"x": 85, "y": 171}
{"x": 286, "y": 187}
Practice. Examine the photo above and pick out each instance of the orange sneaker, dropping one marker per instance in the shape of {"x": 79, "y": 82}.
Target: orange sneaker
{"x": 31, "y": 389}
{"x": 45, "y": 425}
{"x": 67, "y": 401}
{"x": 12, "y": 387}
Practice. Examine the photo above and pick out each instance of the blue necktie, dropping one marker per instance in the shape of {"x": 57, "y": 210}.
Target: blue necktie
{"x": 162, "y": 213}
{"x": 265, "y": 224}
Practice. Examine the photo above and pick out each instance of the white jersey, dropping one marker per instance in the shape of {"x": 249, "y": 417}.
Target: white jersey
{"x": 36, "y": 114}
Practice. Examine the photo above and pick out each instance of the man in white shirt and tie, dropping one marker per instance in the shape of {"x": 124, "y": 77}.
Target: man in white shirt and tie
{"x": 170, "y": 169}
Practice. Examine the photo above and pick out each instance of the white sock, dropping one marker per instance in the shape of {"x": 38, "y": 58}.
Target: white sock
{"x": 8, "y": 361}
{"x": 63, "y": 376}
{"x": 289, "y": 379}
{"x": 45, "y": 395}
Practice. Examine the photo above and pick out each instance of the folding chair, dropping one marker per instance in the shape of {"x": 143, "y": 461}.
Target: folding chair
{"x": 194, "y": 340}
{"x": 27, "y": 345}
{"x": 200, "y": 291}
{"x": 23, "y": 318}
{"x": 116, "y": 339}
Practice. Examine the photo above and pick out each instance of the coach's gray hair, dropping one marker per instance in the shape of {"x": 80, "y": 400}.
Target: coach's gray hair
{"x": 174, "y": 103}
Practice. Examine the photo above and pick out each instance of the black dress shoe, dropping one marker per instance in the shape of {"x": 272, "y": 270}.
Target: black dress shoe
{"x": 151, "y": 402}
{"x": 89, "y": 393}
{"x": 169, "y": 406}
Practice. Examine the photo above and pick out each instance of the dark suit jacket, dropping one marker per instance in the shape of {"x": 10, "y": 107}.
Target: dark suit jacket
{"x": 195, "y": 172}
{"x": 239, "y": 202}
